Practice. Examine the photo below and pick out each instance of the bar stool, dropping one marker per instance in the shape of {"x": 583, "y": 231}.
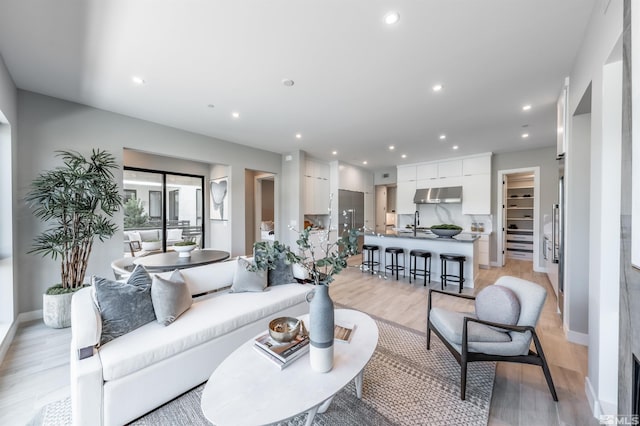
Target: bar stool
{"x": 444, "y": 277}
{"x": 370, "y": 263}
{"x": 426, "y": 258}
{"x": 395, "y": 267}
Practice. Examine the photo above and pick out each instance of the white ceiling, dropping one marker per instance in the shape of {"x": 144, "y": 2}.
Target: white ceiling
{"x": 360, "y": 85}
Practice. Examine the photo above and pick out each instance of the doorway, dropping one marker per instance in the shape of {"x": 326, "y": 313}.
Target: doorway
{"x": 260, "y": 208}
{"x": 518, "y": 221}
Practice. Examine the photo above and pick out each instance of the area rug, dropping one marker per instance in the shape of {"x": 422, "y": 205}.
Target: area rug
{"x": 404, "y": 384}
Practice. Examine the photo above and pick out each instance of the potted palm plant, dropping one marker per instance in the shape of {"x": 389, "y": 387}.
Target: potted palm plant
{"x": 77, "y": 202}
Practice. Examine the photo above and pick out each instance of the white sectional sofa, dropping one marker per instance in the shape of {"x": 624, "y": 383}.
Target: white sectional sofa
{"x": 131, "y": 375}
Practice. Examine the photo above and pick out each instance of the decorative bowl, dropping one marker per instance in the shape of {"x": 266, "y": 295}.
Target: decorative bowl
{"x": 184, "y": 251}
{"x": 446, "y": 233}
{"x": 284, "y": 329}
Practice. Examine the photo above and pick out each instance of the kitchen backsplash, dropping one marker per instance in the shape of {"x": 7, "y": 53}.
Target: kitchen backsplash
{"x": 434, "y": 214}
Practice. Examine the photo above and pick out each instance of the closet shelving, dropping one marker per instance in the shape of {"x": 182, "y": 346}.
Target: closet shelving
{"x": 519, "y": 218}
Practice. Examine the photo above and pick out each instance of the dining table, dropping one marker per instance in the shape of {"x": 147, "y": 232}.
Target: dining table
{"x": 171, "y": 260}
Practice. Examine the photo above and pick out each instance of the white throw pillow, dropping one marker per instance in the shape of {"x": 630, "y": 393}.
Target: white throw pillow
{"x": 174, "y": 234}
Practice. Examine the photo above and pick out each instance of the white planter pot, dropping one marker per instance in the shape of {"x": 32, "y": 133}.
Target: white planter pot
{"x": 184, "y": 251}
{"x": 56, "y": 310}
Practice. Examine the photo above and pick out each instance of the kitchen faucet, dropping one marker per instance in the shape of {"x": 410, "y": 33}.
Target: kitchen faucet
{"x": 416, "y": 222}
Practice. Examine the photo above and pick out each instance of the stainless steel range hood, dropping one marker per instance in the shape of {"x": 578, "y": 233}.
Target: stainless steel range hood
{"x": 450, "y": 194}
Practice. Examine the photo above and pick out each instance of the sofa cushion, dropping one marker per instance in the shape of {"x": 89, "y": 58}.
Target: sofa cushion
{"x": 499, "y": 304}
{"x": 246, "y": 280}
{"x": 171, "y": 297}
{"x": 282, "y": 273}
{"x": 151, "y": 235}
{"x": 174, "y": 234}
{"x": 209, "y": 317}
{"x": 450, "y": 324}
{"x": 124, "y": 306}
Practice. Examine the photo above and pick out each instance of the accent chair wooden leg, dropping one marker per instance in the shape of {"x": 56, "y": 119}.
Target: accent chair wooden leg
{"x": 428, "y": 336}
{"x": 463, "y": 377}
{"x": 545, "y": 366}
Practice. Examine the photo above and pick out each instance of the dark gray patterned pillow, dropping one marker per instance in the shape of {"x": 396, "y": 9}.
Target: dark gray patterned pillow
{"x": 282, "y": 274}
{"x": 171, "y": 298}
{"x": 124, "y": 306}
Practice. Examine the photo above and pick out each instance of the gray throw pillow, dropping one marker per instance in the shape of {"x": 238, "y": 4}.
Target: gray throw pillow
{"x": 124, "y": 306}
{"x": 245, "y": 280}
{"x": 282, "y": 274}
{"x": 171, "y": 297}
{"x": 500, "y": 304}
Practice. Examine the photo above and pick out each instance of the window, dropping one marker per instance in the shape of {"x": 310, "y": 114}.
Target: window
{"x": 168, "y": 203}
{"x": 130, "y": 194}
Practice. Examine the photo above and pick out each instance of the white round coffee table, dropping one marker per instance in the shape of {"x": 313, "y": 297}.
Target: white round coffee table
{"x": 247, "y": 389}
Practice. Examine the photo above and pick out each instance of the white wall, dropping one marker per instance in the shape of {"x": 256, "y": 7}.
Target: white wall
{"x": 47, "y": 124}
{"x": 545, "y": 158}
{"x": 601, "y": 37}
{"x": 8, "y": 176}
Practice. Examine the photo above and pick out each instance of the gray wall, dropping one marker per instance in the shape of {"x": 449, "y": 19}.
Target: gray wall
{"x": 545, "y": 158}
{"x": 8, "y": 149}
{"x": 47, "y": 124}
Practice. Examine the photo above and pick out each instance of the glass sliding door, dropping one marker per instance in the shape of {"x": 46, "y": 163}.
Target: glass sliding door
{"x": 184, "y": 208}
{"x": 161, "y": 209}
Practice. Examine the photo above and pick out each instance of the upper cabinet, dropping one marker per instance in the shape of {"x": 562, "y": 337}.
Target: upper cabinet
{"x": 476, "y": 185}
{"x": 316, "y": 187}
{"x": 472, "y": 173}
{"x": 406, "y": 173}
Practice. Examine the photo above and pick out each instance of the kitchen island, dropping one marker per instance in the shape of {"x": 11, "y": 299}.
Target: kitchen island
{"x": 464, "y": 244}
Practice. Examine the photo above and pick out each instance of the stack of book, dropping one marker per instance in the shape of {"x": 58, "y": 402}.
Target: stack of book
{"x": 281, "y": 354}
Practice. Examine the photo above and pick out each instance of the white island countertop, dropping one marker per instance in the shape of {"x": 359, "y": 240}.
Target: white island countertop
{"x": 464, "y": 244}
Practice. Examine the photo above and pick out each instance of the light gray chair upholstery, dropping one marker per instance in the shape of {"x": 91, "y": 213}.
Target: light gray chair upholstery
{"x": 471, "y": 339}
{"x": 122, "y": 268}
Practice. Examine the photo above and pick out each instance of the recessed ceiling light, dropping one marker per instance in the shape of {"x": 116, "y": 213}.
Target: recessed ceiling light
{"x": 288, "y": 82}
{"x": 526, "y": 107}
{"x": 335, "y": 152}
{"x": 298, "y": 136}
{"x": 455, "y": 147}
{"x": 525, "y": 135}
{"x": 235, "y": 114}
{"x": 364, "y": 162}
{"x": 391, "y": 147}
{"x": 137, "y": 80}
{"x": 443, "y": 137}
{"x": 391, "y": 18}
{"x": 437, "y": 87}
{"x": 404, "y": 155}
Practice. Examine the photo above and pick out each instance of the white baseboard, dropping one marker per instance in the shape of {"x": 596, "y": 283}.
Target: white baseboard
{"x": 592, "y": 399}
{"x": 29, "y": 316}
{"x": 23, "y": 317}
{"x": 575, "y": 337}
{"x": 598, "y": 408}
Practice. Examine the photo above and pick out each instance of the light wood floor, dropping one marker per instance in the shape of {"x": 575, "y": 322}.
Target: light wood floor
{"x": 36, "y": 368}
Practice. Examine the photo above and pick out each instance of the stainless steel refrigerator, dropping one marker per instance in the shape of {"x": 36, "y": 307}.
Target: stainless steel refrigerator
{"x": 350, "y": 212}
{"x": 558, "y": 234}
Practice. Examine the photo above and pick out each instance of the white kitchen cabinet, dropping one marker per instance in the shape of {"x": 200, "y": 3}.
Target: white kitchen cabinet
{"x": 483, "y": 250}
{"x": 476, "y": 194}
{"x": 405, "y": 192}
{"x": 476, "y": 165}
{"x": 449, "y": 168}
{"x": 406, "y": 173}
{"x": 476, "y": 185}
{"x": 316, "y": 187}
{"x": 427, "y": 171}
